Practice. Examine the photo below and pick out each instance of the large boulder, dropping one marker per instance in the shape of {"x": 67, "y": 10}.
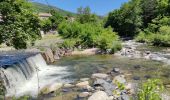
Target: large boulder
{"x": 48, "y": 55}
{"x": 100, "y": 75}
{"x": 99, "y": 95}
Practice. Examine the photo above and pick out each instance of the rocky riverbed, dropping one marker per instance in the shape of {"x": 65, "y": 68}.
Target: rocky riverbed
{"x": 131, "y": 49}
{"x": 100, "y": 86}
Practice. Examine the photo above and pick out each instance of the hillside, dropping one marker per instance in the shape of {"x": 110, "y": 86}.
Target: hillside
{"x": 45, "y": 8}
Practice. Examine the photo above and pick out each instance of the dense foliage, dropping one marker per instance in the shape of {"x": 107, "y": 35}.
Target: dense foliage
{"x": 148, "y": 18}
{"x": 88, "y": 35}
{"x": 157, "y": 32}
{"x": 88, "y": 32}
{"x": 85, "y": 16}
{"x": 19, "y": 26}
{"x": 52, "y": 22}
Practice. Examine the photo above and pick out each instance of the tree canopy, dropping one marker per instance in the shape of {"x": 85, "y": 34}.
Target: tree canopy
{"x": 19, "y": 26}
{"x": 142, "y": 17}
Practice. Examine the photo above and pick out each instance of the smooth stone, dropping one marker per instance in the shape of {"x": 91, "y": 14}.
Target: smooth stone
{"x": 99, "y": 88}
{"x": 108, "y": 87}
{"x": 117, "y": 70}
{"x": 68, "y": 86}
{"x": 55, "y": 87}
{"x": 84, "y": 79}
{"x": 168, "y": 86}
{"x": 110, "y": 98}
{"x": 147, "y": 76}
{"x": 99, "y": 95}
{"x": 45, "y": 90}
{"x": 137, "y": 66}
{"x": 66, "y": 90}
{"x": 136, "y": 78}
{"x": 84, "y": 84}
{"x": 125, "y": 97}
{"x": 100, "y": 75}
{"x": 84, "y": 94}
{"x": 120, "y": 79}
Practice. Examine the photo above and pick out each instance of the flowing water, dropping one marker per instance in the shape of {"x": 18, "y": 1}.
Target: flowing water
{"x": 27, "y": 74}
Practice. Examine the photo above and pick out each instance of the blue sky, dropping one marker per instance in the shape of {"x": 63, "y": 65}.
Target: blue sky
{"x": 100, "y": 7}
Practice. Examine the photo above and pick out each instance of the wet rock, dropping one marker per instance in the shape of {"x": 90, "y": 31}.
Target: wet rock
{"x": 108, "y": 87}
{"x": 116, "y": 70}
{"x": 68, "y": 86}
{"x": 136, "y": 77}
{"x": 84, "y": 94}
{"x": 147, "y": 76}
{"x": 147, "y": 52}
{"x": 100, "y": 75}
{"x": 83, "y": 84}
{"x": 99, "y": 88}
{"x": 137, "y": 66}
{"x": 55, "y": 86}
{"x": 84, "y": 79}
{"x": 120, "y": 79}
{"x": 99, "y": 95}
{"x": 66, "y": 89}
{"x": 124, "y": 97}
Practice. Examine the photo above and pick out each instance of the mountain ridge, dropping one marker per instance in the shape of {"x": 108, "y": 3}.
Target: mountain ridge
{"x": 43, "y": 8}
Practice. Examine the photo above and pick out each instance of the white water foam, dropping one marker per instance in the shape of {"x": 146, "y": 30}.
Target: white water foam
{"x": 21, "y": 78}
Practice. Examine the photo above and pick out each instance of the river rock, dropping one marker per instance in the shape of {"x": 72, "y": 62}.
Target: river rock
{"x": 48, "y": 55}
{"x": 117, "y": 70}
{"x": 100, "y": 75}
{"x": 120, "y": 79}
{"x": 55, "y": 87}
{"x": 84, "y": 79}
{"x": 99, "y": 95}
{"x": 84, "y": 84}
{"x": 110, "y": 98}
{"x": 136, "y": 77}
{"x": 68, "y": 86}
{"x": 108, "y": 87}
{"x": 84, "y": 94}
{"x": 137, "y": 66}
{"x": 56, "y": 55}
{"x": 124, "y": 97}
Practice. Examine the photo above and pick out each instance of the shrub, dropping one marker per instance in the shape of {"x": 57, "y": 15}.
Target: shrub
{"x": 88, "y": 35}
{"x": 151, "y": 90}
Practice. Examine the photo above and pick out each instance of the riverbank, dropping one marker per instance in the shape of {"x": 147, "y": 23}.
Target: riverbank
{"x": 84, "y": 66}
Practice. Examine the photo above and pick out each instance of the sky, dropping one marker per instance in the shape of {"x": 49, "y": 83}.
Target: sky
{"x": 99, "y": 7}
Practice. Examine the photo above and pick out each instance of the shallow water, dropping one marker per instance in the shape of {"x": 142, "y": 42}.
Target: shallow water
{"x": 84, "y": 66}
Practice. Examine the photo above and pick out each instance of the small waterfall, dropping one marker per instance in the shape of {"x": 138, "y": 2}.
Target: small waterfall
{"x": 21, "y": 77}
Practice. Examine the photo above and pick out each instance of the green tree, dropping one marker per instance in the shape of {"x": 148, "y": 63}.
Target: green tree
{"x": 56, "y": 19}
{"x": 85, "y": 16}
{"x": 88, "y": 35}
{"x": 127, "y": 20}
{"x": 19, "y": 26}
